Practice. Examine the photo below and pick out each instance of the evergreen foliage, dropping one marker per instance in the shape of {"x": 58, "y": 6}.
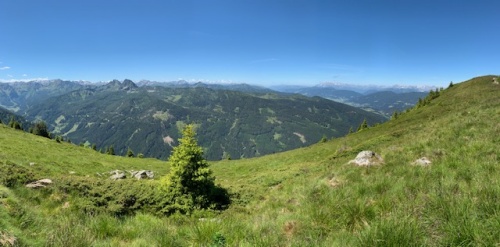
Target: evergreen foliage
{"x": 190, "y": 183}
{"x": 59, "y": 139}
{"x": 13, "y": 123}
{"x": 110, "y": 150}
{"x": 363, "y": 125}
{"x": 323, "y": 139}
{"x": 432, "y": 95}
{"x": 283, "y": 199}
{"x": 256, "y": 119}
{"x": 395, "y": 115}
{"x": 130, "y": 153}
{"x": 40, "y": 129}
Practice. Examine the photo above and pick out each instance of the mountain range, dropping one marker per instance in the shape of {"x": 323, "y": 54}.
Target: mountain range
{"x": 381, "y": 99}
{"x": 248, "y": 122}
{"x": 312, "y": 196}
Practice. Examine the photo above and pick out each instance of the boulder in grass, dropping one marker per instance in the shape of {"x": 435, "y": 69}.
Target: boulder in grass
{"x": 142, "y": 174}
{"x": 40, "y": 183}
{"x": 424, "y": 161}
{"x": 117, "y": 175}
{"x": 367, "y": 158}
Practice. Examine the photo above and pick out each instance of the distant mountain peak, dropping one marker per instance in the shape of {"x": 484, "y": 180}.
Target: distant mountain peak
{"x": 374, "y": 88}
{"x": 128, "y": 84}
{"x": 125, "y": 85}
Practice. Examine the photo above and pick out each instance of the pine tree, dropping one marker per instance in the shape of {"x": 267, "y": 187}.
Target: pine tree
{"x": 111, "y": 150}
{"x": 363, "y": 125}
{"x": 323, "y": 139}
{"x": 13, "y": 123}
{"x": 130, "y": 153}
{"x": 190, "y": 182}
{"x": 395, "y": 115}
{"x": 40, "y": 129}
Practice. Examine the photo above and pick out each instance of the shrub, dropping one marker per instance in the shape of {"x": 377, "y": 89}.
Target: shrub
{"x": 40, "y": 129}
{"x": 12, "y": 175}
{"x": 118, "y": 198}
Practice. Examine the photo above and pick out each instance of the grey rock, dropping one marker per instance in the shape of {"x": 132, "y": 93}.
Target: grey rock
{"x": 367, "y": 158}
{"x": 117, "y": 174}
{"x": 40, "y": 183}
{"x": 142, "y": 174}
{"x": 424, "y": 161}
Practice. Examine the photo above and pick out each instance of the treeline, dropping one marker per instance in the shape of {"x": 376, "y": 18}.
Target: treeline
{"x": 433, "y": 94}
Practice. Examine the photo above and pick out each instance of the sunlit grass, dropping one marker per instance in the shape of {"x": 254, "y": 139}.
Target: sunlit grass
{"x": 305, "y": 197}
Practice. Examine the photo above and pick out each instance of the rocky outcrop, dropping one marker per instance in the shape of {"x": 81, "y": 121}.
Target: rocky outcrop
{"x": 367, "y": 158}
{"x": 40, "y": 183}
{"x": 424, "y": 161}
{"x": 117, "y": 175}
{"x": 7, "y": 239}
{"x": 142, "y": 174}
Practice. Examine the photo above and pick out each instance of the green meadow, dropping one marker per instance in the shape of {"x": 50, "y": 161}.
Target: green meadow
{"x": 305, "y": 197}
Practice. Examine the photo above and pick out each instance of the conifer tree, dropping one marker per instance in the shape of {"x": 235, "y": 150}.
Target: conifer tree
{"x": 130, "y": 153}
{"x": 323, "y": 139}
{"x": 13, "y": 123}
{"x": 395, "y": 115}
{"x": 363, "y": 125}
{"x": 190, "y": 182}
{"x": 40, "y": 129}
{"x": 111, "y": 150}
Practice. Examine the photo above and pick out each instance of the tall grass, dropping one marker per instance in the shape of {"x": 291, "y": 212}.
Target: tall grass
{"x": 306, "y": 197}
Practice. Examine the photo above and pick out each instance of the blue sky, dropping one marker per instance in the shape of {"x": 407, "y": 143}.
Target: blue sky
{"x": 268, "y": 42}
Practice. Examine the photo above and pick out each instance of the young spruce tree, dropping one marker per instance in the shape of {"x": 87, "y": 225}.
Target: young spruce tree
{"x": 130, "y": 153}
{"x": 190, "y": 184}
{"x": 363, "y": 125}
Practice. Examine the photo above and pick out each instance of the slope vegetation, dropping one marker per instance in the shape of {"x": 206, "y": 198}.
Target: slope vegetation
{"x": 231, "y": 124}
{"x": 306, "y": 197}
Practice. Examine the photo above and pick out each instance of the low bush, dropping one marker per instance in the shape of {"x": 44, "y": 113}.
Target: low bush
{"x": 118, "y": 198}
{"x": 12, "y": 175}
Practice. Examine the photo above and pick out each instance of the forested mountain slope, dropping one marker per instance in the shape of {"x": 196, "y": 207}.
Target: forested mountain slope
{"x": 310, "y": 196}
{"x": 231, "y": 124}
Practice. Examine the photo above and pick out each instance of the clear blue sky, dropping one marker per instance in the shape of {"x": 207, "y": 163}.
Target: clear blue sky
{"x": 262, "y": 42}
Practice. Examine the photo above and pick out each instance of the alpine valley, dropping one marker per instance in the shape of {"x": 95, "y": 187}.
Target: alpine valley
{"x": 233, "y": 120}
{"x": 436, "y": 181}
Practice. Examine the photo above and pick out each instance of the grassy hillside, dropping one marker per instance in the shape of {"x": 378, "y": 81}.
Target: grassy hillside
{"x": 305, "y": 197}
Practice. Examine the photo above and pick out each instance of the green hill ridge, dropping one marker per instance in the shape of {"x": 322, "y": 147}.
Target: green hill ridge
{"x": 309, "y": 196}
